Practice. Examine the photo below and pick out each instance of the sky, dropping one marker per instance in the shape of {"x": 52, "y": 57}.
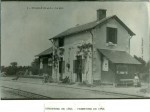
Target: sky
{"x": 27, "y": 26}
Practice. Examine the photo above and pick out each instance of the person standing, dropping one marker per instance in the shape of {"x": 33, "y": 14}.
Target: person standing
{"x": 136, "y": 80}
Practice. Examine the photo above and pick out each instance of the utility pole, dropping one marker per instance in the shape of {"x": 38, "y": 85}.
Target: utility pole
{"x": 142, "y": 49}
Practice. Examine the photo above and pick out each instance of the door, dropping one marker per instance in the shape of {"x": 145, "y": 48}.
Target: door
{"x": 79, "y": 68}
{"x": 60, "y": 69}
{"x": 50, "y": 71}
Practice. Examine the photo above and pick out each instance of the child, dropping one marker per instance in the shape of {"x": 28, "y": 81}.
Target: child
{"x": 45, "y": 77}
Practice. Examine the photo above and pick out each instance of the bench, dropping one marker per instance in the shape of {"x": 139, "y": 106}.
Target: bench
{"x": 126, "y": 82}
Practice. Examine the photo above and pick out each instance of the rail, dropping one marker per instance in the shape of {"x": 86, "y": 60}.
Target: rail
{"x": 26, "y": 94}
{"x": 101, "y": 91}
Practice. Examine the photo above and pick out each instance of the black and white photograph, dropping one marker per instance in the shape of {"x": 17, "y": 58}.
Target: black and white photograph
{"x": 74, "y": 50}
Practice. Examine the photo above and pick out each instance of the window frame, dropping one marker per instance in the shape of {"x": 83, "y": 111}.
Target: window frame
{"x": 110, "y": 38}
{"x": 61, "y": 42}
{"x": 124, "y": 67}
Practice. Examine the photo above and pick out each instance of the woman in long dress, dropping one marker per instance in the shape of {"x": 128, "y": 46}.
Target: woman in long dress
{"x": 136, "y": 80}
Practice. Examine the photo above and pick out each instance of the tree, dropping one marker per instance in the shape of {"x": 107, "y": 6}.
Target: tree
{"x": 148, "y": 66}
{"x": 11, "y": 69}
{"x": 35, "y": 66}
{"x": 13, "y": 64}
{"x": 143, "y": 62}
{"x": 86, "y": 50}
{"x": 142, "y": 67}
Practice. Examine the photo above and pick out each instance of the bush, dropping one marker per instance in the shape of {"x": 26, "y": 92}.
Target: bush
{"x": 10, "y": 70}
{"x": 144, "y": 77}
{"x": 13, "y": 70}
{"x": 66, "y": 80}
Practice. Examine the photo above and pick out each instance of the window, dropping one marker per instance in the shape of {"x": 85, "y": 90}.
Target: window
{"x": 122, "y": 69}
{"x": 112, "y": 35}
{"x": 61, "y": 42}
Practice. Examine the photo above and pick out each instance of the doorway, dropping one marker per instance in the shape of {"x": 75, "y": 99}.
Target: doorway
{"x": 61, "y": 68}
{"x": 79, "y": 68}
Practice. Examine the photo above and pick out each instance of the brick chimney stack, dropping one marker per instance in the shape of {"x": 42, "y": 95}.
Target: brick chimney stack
{"x": 101, "y": 13}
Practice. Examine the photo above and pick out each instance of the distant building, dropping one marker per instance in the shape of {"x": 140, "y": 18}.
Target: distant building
{"x": 96, "y": 52}
{"x": 45, "y": 59}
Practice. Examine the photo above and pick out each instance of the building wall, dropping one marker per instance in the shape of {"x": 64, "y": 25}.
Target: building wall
{"x": 108, "y": 77}
{"x": 71, "y": 44}
{"x": 70, "y": 54}
{"x": 122, "y": 36}
{"x": 99, "y": 41}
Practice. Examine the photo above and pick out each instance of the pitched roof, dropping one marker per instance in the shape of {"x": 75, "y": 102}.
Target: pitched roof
{"x": 120, "y": 57}
{"x": 46, "y": 52}
{"x": 91, "y": 25}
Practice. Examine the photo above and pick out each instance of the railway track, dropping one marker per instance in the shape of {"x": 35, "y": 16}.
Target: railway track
{"x": 30, "y": 95}
{"x": 24, "y": 94}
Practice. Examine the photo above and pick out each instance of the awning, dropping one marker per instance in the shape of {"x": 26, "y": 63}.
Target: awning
{"x": 46, "y": 52}
{"x": 120, "y": 57}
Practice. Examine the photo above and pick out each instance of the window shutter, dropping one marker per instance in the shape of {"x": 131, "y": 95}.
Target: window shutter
{"x": 63, "y": 67}
{"x": 116, "y": 36}
{"x": 74, "y": 68}
{"x": 75, "y": 65}
{"x": 83, "y": 65}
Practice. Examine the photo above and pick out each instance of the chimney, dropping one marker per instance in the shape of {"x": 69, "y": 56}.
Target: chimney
{"x": 101, "y": 13}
